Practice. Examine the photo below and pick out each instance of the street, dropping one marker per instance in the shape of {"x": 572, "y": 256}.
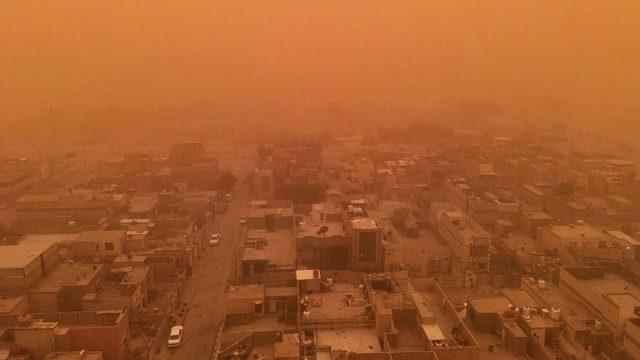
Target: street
{"x": 204, "y": 291}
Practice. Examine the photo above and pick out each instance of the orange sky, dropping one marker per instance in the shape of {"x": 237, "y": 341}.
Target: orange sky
{"x": 137, "y": 53}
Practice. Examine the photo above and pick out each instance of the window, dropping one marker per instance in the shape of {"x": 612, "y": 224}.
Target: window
{"x": 108, "y": 246}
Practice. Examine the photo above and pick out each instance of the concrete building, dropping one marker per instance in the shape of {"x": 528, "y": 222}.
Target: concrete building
{"x": 168, "y": 263}
{"x": 244, "y": 303}
{"x": 581, "y": 242}
{"x": 137, "y": 237}
{"x": 468, "y": 241}
{"x": 367, "y": 252}
{"x": 25, "y": 263}
{"x": 124, "y": 287}
{"x": 104, "y": 331}
{"x": 323, "y": 245}
{"x": 490, "y": 207}
{"x": 267, "y": 257}
{"x": 611, "y": 298}
{"x": 63, "y": 212}
{"x": 101, "y": 244}
{"x": 270, "y": 216}
{"x": 62, "y": 289}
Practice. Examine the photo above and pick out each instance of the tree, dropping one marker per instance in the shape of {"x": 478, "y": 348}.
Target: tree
{"x": 226, "y": 181}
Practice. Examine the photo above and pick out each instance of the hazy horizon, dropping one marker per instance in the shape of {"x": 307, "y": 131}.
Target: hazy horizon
{"x": 73, "y": 59}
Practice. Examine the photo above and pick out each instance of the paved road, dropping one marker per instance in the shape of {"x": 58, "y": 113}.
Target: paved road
{"x": 205, "y": 289}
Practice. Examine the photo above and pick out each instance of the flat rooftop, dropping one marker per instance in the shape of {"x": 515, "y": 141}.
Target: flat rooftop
{"x": 616, "y": 291}
{"x": 27, "y": 250}
{"x": 364, "y": 224}
{"x": 328, "y": 306}
{"x": 519, "y": 298}
{"x": 142, "y": 204}
{"x": 612, "y": 284}
{"x": 356, "y": 340}
{"x": 279, "y": 247}
{"x": 577, "y": 232}
{"x": 491, "y": 305}
{"x": 68, "y": 274}
{"x": 308, "y": 229}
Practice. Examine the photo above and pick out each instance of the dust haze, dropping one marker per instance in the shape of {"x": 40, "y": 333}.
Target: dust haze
{"x": 91, "y": 66}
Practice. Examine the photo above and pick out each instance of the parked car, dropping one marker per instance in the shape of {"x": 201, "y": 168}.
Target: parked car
{"x": 175, "y": 336}
{"x": 214, "y": 239}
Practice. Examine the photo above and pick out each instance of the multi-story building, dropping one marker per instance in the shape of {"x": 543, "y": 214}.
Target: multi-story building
{"x": 367, "y": 252}
{"x": 468, "y": 241}
{"x": 105, "y": 331}
{"x": 25, "y": 263}
{"x": 64, "y": 212}
{"x": 581, "y": 242}
{"x": 64, "y": 287}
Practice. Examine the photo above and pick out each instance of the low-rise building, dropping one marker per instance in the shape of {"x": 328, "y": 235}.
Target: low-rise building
{"x": 244, "y": 303}
{"x": 100, "y": 244}
{"x": 64, "y": 287}
{"x": 323, "y": 245}
{"x": 581, "y": 242}
{"x": 270, "y": 216}
{"x": 267, "y": 257}
{"x": 611, "y": 297}
{"x": 104, "y": 331}
{"x": 64, "y": 212}
{"x": 25, "y": 263}
{"x": 124, "y": 287}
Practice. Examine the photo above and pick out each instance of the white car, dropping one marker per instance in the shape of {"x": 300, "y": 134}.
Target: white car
{"x": 214, "y": 239}
{"x": 175, "y": 336}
